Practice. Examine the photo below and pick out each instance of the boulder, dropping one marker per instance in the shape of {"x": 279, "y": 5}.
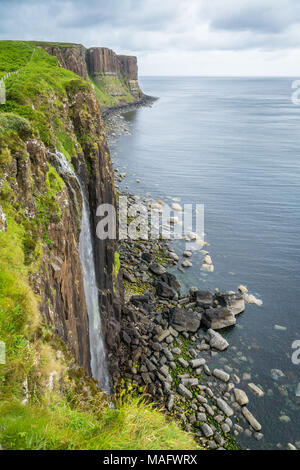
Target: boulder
{"x": 251, "y": 420}
{"x": 185, "y": 320}
{"x": 218, "y": 318}
{"x": 185, "y": 392}
{"x": 204, "y": 298}
{"x": 221, "y": 375}
{"x": 233, "y": 302}
{"x": 156, "y": 268}
{"x": 171, "y": 280}
{"x": 240, "y": 397}
{"x": 147, "y": 257}
{"x": 217, "y": 341}
{"x": 223, "y": 406}
{"x": 165, "y": 291}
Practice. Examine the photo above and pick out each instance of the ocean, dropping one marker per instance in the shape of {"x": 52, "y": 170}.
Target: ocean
{"x": 233, "y": 144}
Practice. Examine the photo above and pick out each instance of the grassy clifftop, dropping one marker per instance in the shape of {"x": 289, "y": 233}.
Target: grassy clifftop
{"x": 46, "y": 400}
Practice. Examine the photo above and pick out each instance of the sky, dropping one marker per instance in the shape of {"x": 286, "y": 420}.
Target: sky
{"x": 170, "y": 37}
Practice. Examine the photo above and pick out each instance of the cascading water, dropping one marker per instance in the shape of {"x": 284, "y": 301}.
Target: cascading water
{"x": 86, "y": 254}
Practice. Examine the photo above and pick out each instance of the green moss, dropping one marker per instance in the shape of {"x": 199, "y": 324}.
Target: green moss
{"x": 116, "y": 265}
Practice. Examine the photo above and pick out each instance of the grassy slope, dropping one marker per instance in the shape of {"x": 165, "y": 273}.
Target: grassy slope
{"x": 74, "y": 413}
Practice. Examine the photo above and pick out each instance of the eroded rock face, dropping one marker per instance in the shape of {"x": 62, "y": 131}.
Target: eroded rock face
{"x": 129, "y": 66}
{"x": 72, "y": 58}
{"x": 99, "y": 62}
{"x": 103, "y": 61}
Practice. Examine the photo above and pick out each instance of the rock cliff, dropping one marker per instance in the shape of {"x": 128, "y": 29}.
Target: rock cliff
{"x": 61, "y": 116}
{"x": 114, "y": 76}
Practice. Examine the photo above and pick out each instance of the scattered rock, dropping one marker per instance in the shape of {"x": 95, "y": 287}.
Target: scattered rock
{"x": 277, "y": 374}
{"x": 240, "y": 397}
{"x": 251, "y": 420}
{"x": 156, "y": 268}
{"x": 187, "y": 264}
{"x": 185, "y": 320}
{"x": 243, "y": 289}
{"x": 185, "y": 392}
{"x": 206, "y": 429}
{"x": 165, "y": 291}
{"x": 255, "y": 389}
{"x": 195, "y": 363}
{"x": 224, "y": 407}
{"x": 217, "y": 341}
{"x": 221, "y": 375}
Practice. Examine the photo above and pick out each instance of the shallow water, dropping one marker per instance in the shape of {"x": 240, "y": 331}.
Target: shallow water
{"x": 234, "y": 146}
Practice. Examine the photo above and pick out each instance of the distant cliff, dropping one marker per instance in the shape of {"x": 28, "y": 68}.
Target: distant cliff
{"x": 115, "y": 77}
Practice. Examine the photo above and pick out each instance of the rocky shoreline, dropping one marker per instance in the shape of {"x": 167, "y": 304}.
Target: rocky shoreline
{"x": 107, "y": 113}
{"x": 169, "y": 340}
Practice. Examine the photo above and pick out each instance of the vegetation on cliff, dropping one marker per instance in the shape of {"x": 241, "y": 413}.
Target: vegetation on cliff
{"x": 46, "y": 400}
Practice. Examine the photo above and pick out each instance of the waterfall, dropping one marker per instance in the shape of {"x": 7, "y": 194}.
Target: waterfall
{"x": 86, "y": 254}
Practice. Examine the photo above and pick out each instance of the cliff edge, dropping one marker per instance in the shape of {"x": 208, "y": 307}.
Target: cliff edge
{"x": 115, "y": 77}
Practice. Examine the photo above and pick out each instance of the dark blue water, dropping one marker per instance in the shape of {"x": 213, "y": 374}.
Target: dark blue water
{"x": 234, "y": 145}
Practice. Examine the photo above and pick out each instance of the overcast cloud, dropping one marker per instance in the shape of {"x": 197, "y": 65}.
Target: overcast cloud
{"x": 181, "y": 37}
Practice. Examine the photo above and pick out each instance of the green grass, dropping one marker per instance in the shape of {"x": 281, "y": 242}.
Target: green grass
{"x": 106, "y": 86}
{"x": 13, "y": 56}
{"x": 133, "y": 426}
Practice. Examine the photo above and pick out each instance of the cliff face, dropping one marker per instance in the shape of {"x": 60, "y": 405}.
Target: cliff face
{"x": 63, "y": 116}
{"x": 114, "y": 76}
{"x": 71, "y": 57}
{"x": 103, "y": 61}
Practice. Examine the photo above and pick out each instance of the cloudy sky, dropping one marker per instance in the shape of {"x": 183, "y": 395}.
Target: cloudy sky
{"x": 170, "y": 37}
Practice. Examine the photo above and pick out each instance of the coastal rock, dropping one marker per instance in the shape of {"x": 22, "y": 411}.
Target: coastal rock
{"x": 277, "y": 374}
{"x": 233, "y": 302}
{"x": 185, "y": 392}
{"x": 183, "y": 362}
{"x": 203, "y": 298}
{"x": 218, "y": 318}
{"x": 223, "y": 406}
{"x": 207, "y": 431}
{"x": 221, "y": 375}
{"x": 171, "y": 280}
{"x": 156, "y": 268}
{"x": 240, "y": 397}
{"x": 252, "y": 300}
{"x": 251, "y": 420}
{"x": 255, "y": 389}
{"x": 165, "y": 291}
{"x": 243, "y": 289}
{"x": 187, "y": 264}
{"x": 173, "y": 255}
{"x": 217, "y": 341}
{"x": 195, "y": 363}
{"x": 185, "y": 320}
